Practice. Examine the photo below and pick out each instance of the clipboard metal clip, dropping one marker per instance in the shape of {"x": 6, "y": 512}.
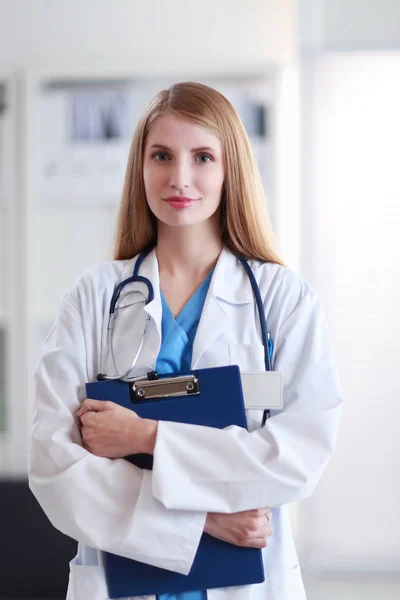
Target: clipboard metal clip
{"x": 184, "y": 385}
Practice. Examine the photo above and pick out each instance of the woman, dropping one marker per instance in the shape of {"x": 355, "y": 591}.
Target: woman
{"x": 193, "y": 191}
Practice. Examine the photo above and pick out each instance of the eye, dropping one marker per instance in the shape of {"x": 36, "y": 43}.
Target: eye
{"x": 204, "y": 158}
{"x": 160, "y": 156}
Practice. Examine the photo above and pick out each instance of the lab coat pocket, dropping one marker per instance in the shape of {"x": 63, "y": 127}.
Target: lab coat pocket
{"x": 87, "y": 582}
{"x": 295, "y": 584}
{"x": 249, "y": 358}
{"x": 286, "y": 585}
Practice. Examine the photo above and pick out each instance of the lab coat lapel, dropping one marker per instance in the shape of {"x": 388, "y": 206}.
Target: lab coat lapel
{"x": 211, "y": 326}
{"x": 229, "y": 287}
{"x": 148, "y": 269}
{"x": 152, "y": 342}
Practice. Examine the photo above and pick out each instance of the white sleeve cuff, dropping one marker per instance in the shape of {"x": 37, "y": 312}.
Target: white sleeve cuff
{"x": 160, "y": 537}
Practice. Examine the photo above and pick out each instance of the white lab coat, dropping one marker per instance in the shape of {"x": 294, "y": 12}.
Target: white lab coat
{"x": 158, "y": 517}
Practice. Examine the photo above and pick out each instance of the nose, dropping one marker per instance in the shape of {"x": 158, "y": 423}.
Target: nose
{"x": 180, "y": 175}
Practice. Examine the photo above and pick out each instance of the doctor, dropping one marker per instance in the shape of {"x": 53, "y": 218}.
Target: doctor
{"x": 192, "y": 189}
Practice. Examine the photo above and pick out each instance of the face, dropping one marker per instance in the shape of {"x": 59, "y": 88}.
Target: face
{"x": 183, "y": 172}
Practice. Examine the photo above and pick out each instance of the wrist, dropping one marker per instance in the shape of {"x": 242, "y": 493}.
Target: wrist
{"x": 150, "y": 436}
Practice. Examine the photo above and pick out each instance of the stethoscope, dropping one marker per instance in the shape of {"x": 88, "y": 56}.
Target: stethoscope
{"x": 136, "y": 278}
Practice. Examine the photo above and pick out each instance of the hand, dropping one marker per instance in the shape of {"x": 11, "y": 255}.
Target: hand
{"x": 248, "y": 528}
{"x": 112, "y": 431}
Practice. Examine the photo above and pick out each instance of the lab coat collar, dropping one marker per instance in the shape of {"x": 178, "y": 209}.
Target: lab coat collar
{"x": 229, "y": 287}
{"x": 229, "y": 282}
{"x": 148, "y": 269}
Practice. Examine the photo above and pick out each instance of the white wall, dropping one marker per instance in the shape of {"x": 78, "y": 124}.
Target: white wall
{"x": 349, "y": 24}
{"x": 155, "y": 34}
{"x": 350, "y": 221}
{"x": 351, "y": 224}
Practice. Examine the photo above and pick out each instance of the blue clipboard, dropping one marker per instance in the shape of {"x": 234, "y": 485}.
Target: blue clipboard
{"x": 211, "y": 397}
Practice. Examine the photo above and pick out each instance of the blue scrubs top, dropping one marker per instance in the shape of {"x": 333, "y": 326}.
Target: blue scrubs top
{"x": 176, "y": 355}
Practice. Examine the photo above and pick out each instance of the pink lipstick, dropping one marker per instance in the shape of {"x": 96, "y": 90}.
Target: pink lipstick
{"x": 180, "y": 201}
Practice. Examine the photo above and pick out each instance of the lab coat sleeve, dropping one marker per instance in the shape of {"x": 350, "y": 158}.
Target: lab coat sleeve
{"x": 232, "y": 470}
{"x": 104, "y": 503}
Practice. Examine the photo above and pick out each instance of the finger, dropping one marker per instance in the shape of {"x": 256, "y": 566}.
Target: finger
{"x": 259, "y": 512}
{"x": 257, "y": 540}
{"x": 89, "y": 418}
{"x": 256, "y": 522}
{"x": 264, "y": 512}
{"x": 263, "y": 531}
{"x": 260, "y": 542}
{"x": 91, "y": 405}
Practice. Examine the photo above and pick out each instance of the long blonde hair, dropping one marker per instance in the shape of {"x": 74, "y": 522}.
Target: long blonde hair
{"x": 245, "y": 223}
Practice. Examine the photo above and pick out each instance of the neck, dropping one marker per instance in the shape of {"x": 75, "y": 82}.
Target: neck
{"x": 187, "y": 251}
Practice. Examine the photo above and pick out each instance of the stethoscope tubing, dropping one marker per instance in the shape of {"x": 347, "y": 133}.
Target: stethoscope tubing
{"x": 266, "y": 338}
{"x": 136, "y": 278}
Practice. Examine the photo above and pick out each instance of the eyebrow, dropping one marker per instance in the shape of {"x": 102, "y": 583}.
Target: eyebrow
{"x": 200, "y": 149}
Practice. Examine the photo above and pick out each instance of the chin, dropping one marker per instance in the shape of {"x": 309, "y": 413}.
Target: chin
{"x": 181, "y": 220}
{"x": 181, "y": 223}
{"x": 185, "y": 218}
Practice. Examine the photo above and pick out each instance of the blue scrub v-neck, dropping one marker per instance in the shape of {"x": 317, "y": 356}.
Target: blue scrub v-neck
{"x": 178, "y": 333}
{"x": 175, "y": 356}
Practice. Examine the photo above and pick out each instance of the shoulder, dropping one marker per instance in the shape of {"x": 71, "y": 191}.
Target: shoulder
{"x": 103, "y": 273}
{"x": 272, "y": 277}
{"x": 97, "y": 283}
{"x": 282, "y": 289}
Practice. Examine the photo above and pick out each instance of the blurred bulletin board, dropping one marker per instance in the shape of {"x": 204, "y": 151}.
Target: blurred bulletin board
{"x": 86, "y": 131}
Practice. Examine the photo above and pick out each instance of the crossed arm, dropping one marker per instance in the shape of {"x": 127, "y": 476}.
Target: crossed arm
{"x": 109, "y": 504}
{"x": 112, "y": 431}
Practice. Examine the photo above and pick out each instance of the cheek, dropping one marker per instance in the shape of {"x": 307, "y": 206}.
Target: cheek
{"x": 152, "y": 183}
{"x": 147, "y": 178}
{"x": 215, "y": 179}
{"x": 148, "y": 188}
{"x": 215, "y": 186}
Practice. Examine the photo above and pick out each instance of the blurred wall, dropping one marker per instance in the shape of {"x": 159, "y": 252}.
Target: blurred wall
{"x": 345, "y": 25}
{"x": 154, "y": 34}
{"x": 350, "y": 218}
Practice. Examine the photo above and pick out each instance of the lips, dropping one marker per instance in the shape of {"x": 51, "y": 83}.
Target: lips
{"x": 180, "y": 201}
